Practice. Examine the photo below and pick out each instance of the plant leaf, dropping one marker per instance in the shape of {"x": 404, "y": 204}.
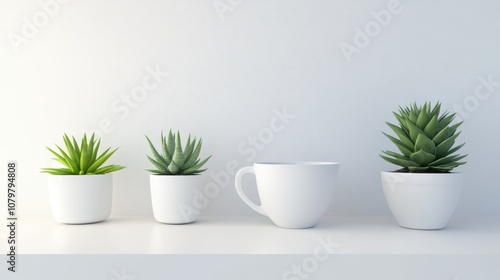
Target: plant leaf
{"x": 424, "y": 143}
{"x": 100, "y": 160}
{"x": 414, "y": 131}
{"x": 403, "y": 137}
{"x": 417, "y": 169}
{"x": 166, "y": 154}
{"x": 423, "y": 118}
{"x": 446, "y": 160}
{"x": 178, "y": 158}
{"x": 194, "y": 168}
{"x": 109, "y": 169}
{"x": 431, "y": 129}
{"x": 443, "y": 148}
{"x": 422, "y": 157}
{"x": 407, "y": 152}
{"x": 156, "y": 155}
{"x": 163, "y": 169}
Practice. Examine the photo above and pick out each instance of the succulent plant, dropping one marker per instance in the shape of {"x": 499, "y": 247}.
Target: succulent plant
{"x": 82, "y": 159}
{"x": 174, "y": 160}
{"x": 425, "y": 139}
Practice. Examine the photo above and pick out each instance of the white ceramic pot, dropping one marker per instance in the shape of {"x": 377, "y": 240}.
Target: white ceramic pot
{"x": 422, "y": 200}
{"x": 176, "y": 198}
{"x": 292, "y": 194}
{"x": 80, "y": 199}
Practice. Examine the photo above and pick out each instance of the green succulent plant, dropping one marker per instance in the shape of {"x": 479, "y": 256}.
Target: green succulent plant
{"x": 425, "y": 139}
{"x": 83, "y": 159}
{"x": 173, "y": 159}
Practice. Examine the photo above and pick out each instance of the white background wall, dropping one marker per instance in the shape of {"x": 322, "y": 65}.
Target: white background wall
{"x": 230, "y": 70}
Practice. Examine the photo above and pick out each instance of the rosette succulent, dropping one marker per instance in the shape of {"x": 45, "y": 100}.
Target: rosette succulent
{"x": 173, "y": 159}
{"x": 83, "y": 159}
{"x": 425, "y": 139}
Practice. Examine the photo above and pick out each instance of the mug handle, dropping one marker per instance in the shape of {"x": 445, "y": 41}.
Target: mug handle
{"x": 241, "y": 193}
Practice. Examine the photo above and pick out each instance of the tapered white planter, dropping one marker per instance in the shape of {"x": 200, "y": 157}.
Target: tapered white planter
{"x": 176, "y": 199}
{"x": 422, "y": 200}
{"x": 81, "y": 199}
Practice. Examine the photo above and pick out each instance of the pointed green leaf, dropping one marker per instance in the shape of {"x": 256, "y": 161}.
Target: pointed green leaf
{"x": 454, "y": 127}
{"x": 424, "y": 143}
{"x": 414, "y": 131}
{"x": 431, "y": 128}
{"x": 399, "y": 162}
{"x": 441, "y": 136}
{"x": 162, "y": 168}
{"x": 84, "y": 158}
{"x": 171, "y": 144}
{"x": 403, "y": 137}
{"x": 445, "y": 120}
{"x": 60, "y": 158}
{"x": 454, "y": 149}
{"x": 188, "y": 149}
{"x": 95, "y": 151}
{"x": 173, "y": 168}
{"x": 178, "y": 158}
{"x": 436, "y": 109}
{"x": 194, "y": 155}
{"x": 58, "y": 171}
{"x": 443, "y": 148}
{"x": 71, "y": 151}
{"x": 407, "y": 152}
{"x": 402, "y": 121}
{"x": 423, "y": 119}
{"x": 446, "y": 160}
{"x": 70, "y": 163}
{"x": 422, "y": 157}
{"x": 416, "y": 169}
{"x": 396, "y": 155}
{"x": 194, "y": 168}
{"x": 108, "y": 169}
{"x": 100, "y": 160}
{"x": 166, "y": 154}
{"x": 155, "y": 153}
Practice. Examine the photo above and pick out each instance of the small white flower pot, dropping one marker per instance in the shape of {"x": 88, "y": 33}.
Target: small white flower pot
{"x": 176, "y": 198}
{"x": 81, "y": 199}
{"x": 422, "y": 200}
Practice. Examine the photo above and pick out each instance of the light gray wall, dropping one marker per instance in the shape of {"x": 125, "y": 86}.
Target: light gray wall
{"x": 233, "y": 68}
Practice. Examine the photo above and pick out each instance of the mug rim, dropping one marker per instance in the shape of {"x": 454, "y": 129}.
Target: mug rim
{"x": 296, "y": 163}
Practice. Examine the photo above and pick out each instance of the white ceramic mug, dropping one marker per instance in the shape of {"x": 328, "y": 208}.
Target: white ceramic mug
{"x": 292, "y": 194}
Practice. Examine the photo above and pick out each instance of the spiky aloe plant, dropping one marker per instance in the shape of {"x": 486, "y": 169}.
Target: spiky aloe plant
{"x": 83, "y": 159}
{"x": 425, "y": 139}
{"x": 173, "y": 159}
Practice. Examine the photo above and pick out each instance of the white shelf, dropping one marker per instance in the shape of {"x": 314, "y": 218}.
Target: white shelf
{"x": 254, "y": 235}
